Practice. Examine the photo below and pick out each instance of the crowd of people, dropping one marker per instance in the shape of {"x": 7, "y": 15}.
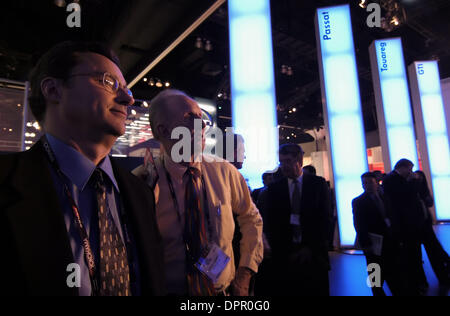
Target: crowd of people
{"x": 393, "y": 221}
{"x": 73, "y": 222}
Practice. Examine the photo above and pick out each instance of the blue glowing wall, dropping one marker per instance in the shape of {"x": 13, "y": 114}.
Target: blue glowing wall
{"x": 342, "y": 111}
{"x": 252, "y": 85}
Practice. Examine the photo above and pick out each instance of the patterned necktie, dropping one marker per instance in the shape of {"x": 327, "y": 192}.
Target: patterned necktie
{"x": 196, "y": 236}
{"x": 296, "y": 198}
{"x": 114, "y": 275}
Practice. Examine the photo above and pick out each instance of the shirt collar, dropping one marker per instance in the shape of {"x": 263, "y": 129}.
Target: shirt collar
{"x": 299, "y": 179}
{"x": 177, "y": 170}
{"x": 75, "y": 166}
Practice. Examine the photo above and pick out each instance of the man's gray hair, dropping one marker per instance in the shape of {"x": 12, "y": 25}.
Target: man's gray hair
{"x": 159, "y": 106}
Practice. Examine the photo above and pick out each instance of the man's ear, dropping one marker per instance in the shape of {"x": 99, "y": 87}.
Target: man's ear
{"x": 51, "y": 89}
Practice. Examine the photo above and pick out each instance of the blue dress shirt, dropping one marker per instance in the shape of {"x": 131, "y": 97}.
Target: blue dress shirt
{"x": 77, "y": 170}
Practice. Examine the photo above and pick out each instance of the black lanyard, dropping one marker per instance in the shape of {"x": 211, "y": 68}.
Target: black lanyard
{"x": 178, "y": 210}
{"x": 88, "y": 254}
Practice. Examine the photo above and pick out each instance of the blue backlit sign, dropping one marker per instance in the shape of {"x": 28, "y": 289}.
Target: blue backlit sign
{"x": 342, "y": 111}
{"x": 395, "y": 122}
{"x": 432, "y": 131}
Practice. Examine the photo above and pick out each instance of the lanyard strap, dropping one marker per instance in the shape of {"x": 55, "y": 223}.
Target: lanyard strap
{"x": 88, "y": 254}
{"x": 177, "y": 206}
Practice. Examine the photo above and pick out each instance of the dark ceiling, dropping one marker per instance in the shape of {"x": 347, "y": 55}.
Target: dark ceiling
{"x": 139, "y": 30}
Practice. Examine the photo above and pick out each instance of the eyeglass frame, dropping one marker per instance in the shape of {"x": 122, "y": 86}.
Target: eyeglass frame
{"x": 117, "y": 83}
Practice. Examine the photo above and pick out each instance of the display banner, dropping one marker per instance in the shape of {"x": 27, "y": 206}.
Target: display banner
{"x": 394, "y": 114}
{"x": 342, "y": 111}
{"x": 432, "y": 133}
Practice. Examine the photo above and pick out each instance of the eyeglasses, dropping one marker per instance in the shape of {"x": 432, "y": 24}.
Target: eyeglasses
{"x": 110, "y": 82}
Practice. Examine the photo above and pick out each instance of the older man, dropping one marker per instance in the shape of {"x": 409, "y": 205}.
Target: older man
{"x": 196, "y": 198}
{"x": 72, "y": 221}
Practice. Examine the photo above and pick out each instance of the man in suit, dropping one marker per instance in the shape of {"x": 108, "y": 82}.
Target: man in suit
{"x": 408, "y": 220}
{"x": 267, "y": 179}
{"x": 72, "y": 221}
{"x": 373, "y": 225}
{"x": 297, "y": 225}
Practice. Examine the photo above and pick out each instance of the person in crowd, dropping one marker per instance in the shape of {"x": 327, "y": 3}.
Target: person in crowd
{"x": 267, "y": 179}
{"x": 196, "y": 198}
{"x": 408, "y": 220}
{"x": 297, "y": 227}
{"x": 237, "y": 159}
{"x": 379, "y": 175}
{"x": 373, "y": 225}
{"x": 309, "y": 169}
{"x": 72, "y": 221}
{"x": 439, "y": 259}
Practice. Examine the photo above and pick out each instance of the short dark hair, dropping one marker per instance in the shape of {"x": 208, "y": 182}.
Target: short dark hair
{"x": 266, "y": 174}
{"x": 311, "y": 169}
{"x": 291, "y": 149}
{"x": 403, "y": 163}
{"x": 58, "y": 62}
{"x": 368, "y": 175}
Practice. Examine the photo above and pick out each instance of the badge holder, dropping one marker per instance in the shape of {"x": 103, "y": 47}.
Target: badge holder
{"x": 213, "y": 264}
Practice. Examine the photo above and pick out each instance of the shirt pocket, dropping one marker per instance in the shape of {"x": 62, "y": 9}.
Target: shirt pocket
{"x": 224, "y": 222}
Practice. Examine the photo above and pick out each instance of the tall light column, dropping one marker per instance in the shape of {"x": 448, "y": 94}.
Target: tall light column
{"x": 342, "y": 111}
{"x": 252, "y": 85}
{"x": 432, "y": 132}
{"x": 395, "y": 120}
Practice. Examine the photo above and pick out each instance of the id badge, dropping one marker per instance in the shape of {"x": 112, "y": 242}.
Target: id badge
{"x": 295, "y": 219}
{"x": 213, "y": 264}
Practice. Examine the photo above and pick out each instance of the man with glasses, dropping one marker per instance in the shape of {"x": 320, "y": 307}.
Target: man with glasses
{"x": 72, "y": 221}
{"x": 196, "y": 198}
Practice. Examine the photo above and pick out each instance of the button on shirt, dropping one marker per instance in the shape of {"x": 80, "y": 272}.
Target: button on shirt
{"x": 77, "y": 170}
{"x": 171, "y": 223}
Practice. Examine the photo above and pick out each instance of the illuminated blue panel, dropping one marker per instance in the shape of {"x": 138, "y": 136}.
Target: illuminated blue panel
{"x": 397, "y": 135}
{"x": 401, "y": 135}
{"x": 252, "y": 85}
{"x": 342, "y": 110}
{"x": 432, "y": 130}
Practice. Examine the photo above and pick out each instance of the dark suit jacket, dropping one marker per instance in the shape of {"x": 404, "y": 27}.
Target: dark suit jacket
{"x": 314, "y": 216}
{"x": 407, "y": 214}
{"x": 35, "y": 243}
{"x": 255, "y": 194}
{"x": 367, "y": 217}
